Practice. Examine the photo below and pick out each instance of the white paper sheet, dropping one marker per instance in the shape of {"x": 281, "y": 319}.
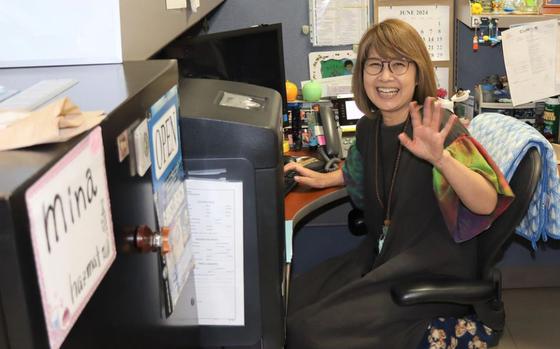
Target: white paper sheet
{"x": 216, "y": 214}
{"x": 175, "y": 4}
{"x": 338, "y": 22}
{"x": 431, "y": 22}
{"x": 531, "y": 59}
{"x": 442, "y": 76}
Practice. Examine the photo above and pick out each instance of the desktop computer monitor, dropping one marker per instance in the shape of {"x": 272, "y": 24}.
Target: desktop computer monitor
{"x": 252, "y": 55}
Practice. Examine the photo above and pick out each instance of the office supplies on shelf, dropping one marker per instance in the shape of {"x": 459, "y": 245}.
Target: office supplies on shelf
{"x": 36, "y": 95}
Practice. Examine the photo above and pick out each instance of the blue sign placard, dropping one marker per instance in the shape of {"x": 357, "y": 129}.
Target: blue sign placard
{"x": 170, "y": 193}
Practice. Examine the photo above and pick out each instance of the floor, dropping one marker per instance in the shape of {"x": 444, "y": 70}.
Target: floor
{"x": 532, "y": 318}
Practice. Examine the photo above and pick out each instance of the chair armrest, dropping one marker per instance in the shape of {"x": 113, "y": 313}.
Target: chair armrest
{"x": 444, "y": 291}
{"x": 357, "y": 222}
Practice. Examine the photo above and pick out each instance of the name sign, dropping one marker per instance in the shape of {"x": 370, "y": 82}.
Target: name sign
{"x": 71, "y": 233}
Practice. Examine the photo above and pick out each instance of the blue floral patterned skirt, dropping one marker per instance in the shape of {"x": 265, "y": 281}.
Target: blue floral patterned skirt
{"x": 461, "y": 333}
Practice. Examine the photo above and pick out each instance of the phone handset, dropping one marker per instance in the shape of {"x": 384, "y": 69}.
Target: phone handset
{"x": 333, "y": 147}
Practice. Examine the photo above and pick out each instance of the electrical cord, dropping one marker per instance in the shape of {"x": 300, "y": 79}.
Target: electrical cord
{"x": 331, "y": 164}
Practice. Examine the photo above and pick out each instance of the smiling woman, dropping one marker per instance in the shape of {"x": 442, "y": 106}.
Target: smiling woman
{"x": 423, "y": 184}
{"x": 393, "y": 42}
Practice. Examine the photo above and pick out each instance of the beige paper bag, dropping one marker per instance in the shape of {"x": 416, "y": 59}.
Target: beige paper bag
{"x": 55, "y": 122}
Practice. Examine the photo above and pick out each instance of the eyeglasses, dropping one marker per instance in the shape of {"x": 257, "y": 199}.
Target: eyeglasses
{"x": 375, "y": 66}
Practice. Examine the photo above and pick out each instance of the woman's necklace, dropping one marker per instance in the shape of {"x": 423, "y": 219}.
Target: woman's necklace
{"x": 387, "y": 208}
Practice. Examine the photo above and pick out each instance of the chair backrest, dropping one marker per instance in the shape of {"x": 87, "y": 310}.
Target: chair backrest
{"x": 523, "y": 183}
{"x": 491, "y": 242}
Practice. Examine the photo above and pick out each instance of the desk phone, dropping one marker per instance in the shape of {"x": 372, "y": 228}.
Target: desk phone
{"x": 348, "y": 116}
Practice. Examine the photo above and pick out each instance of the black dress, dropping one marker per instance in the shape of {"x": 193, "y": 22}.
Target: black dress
{"x": 345, "y": 302}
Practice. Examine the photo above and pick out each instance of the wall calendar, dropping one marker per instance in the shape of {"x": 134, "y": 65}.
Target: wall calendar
{"x": 431, "y": 21}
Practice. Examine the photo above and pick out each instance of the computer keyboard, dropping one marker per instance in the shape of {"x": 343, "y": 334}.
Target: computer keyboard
{"x": 289, "y": 181}
{"x": 288, "y": 159}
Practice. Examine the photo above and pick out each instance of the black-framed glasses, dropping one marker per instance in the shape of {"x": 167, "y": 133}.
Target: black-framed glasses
{"x": 375, "y": 66}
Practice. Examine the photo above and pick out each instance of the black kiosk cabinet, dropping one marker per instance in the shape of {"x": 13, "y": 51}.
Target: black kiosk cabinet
{"x": 235, "y": 128}
{"x": 231, "y": 126}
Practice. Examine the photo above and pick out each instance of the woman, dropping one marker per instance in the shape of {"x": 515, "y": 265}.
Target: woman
{"x": 426, "y": 188}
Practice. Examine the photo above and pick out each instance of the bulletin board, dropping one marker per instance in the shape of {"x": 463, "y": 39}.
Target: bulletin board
{"x": 435, "y": 22}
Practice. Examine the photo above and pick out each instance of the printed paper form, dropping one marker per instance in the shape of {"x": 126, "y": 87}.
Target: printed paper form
{"x": 216, "y": 215}
{"x": 338, "y": 22}
{"x": 530, "y": 56}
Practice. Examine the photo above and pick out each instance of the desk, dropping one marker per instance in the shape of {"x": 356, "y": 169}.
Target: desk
{"x": 302, "y": 201}
{"x": 299, "y": 203}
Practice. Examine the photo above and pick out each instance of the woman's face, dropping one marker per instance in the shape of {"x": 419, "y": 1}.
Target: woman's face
{"x": 391, "y": 93}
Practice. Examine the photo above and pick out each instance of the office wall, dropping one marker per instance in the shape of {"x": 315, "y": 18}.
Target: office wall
{"x": 234, "y": 14}
{"x": 472, "y": 67}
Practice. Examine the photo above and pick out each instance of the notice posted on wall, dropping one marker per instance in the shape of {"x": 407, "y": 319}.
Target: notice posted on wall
{"x": 71, "y": 233}
{"x": 338, "y": 22}
{"x": 532, "y": 60}
{"x": 170, "y": 195}
{"x": 218, "y": 295}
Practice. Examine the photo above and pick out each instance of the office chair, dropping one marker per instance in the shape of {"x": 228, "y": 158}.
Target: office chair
{"x": 484, "y": 294}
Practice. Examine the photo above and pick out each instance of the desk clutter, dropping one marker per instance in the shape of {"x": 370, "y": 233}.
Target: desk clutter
{"x": 514, "y": 7}
{"x": 492, "y": 95}
{"x": 326, "y": 124}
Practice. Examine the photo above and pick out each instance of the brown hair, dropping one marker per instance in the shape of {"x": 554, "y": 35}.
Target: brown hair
{"x": 394, "y": 38}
